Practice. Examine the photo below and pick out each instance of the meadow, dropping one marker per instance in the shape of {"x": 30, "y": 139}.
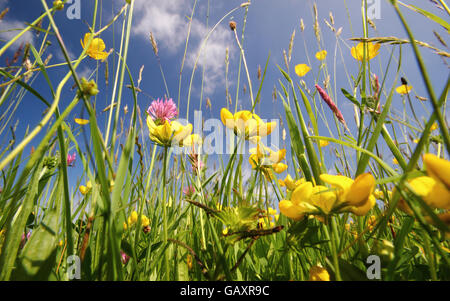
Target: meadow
{"x": 154, "y": 191}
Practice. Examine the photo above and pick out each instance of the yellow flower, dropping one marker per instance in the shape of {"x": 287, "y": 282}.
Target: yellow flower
{"x": 81, "y": 121}
{"x": 192, "y": 140}
{"x": 96, "y": 48}
{"x": 395, "y": 161}
{"x": 58, "y": 5}
{"x": 168, "y": 133}
{"x": 279, "y": 167}
{"x": 308, "y": 199}
{"x": 353, "y": 192}
{"x": 321, "y": 55}
{"x": 271, "y": 211}
{"x": 189, "y": 261}
{"x": 356, "y": 194}
{"x": 437, "y": 168}
{"x": 371, "y": 222}
{"x": 371, "y": 51}
{"x": 435, "y": 126}
{"x": 378, "y": 194}
{"x": 85, "y": 189}
{"x": 290, "y": 183}
{"x": 111, "y": 185}
{"x": 318, "y": 273}
{"x": 263, "y": 158}
{"x": 302, "y": 69}
{"x": 433, "y": 192}
{"x": 416, "y": 141}
{"x": 324, "y": 143}
{"x": 145, "y": 221}
{"x": 246, "y": 124}
{"x": 225, "y": 231}
{"x": 403, "y": 89}
{"x": 125, "y": 227}
{"x": 133, "y": 217}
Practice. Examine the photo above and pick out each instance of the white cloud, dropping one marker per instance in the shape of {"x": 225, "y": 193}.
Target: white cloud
{"x": 168, "y": 22}
{"x": 11, "y": 28}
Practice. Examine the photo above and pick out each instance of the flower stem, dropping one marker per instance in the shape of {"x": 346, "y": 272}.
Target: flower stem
{"x": 331, "y": 223}
{"x": 164, "y": 202}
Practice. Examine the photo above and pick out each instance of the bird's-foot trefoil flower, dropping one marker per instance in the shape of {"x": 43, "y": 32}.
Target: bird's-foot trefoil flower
{"x": 247, "y": 124}
{"x": 162, "y": 129}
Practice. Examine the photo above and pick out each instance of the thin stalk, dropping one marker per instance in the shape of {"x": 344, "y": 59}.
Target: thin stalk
{"x": 164, "y": 204}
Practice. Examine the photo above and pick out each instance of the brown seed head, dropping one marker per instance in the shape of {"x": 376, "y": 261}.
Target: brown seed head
{"x": 232, "y": 25}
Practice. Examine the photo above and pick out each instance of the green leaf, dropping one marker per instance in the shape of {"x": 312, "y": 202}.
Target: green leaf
{"x": 37, "y": 259}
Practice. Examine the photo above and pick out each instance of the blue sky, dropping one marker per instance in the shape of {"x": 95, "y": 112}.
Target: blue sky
{"x": 268, "y": 30}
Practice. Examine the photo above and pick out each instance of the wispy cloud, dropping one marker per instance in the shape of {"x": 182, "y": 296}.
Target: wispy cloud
{"x": 168, "y": 21}
{"x": 11, "y": 27}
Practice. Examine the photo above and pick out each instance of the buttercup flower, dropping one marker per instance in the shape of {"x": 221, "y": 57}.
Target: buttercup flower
{"x": 246, "y": 124}
{"x": 318, "y": 273}
{"x": 321, "y": 55}
{"x": 403, "y": 89}
{"x": 302, "y": 69}
{"x": 371, "y": 51}
{"x": 96, "y": 48}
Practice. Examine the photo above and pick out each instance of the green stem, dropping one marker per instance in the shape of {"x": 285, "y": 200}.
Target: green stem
{"x": 333, "y": 248}
{"x": 164, "y": 203}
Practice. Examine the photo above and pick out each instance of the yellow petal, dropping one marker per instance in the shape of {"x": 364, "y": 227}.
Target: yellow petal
{"x": 227, "y": 118}
{"x": 290, "y": 210}
{"x": 193, "y": 139}
{"x": 145, "y": 221}
{"x": 371, "y": 51}
{"x": 134, "y": 217}
{"x": 403, "y": 89}
{"x": 97, "y": 44}
{"x": 318, "y": 273}
{"x": 438, "y": 168}
{"x": 277, "y": 157}
{"x": 81, "y": 121}
{"x": 254, "y": 160}
{"x": 342, "y": 183}
{"x": 362, "y": 210}
{"x": 279, "y": 167}
{"x": 433, "y": 127}
{"x": 302, "y": 69}
{"x": 432, "y": 191}
{"x": 302, "y": 193}
{"x": 323, "y": 143}
{"x": 360, "y": 190}
{"x": 83, "y": 190}
{"x": 321, "y": 55}
{"x": 323, "y": 198}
